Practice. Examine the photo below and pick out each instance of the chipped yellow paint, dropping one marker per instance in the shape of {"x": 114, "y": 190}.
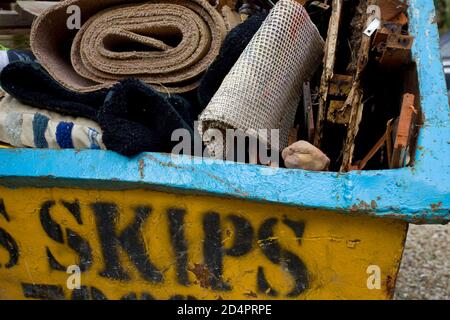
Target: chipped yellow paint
{"x": 335, "y": 249}
{"x": 5, "y": 146}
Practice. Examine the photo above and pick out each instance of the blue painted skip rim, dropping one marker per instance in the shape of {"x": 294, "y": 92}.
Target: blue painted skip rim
{"x": 419, "y": 195}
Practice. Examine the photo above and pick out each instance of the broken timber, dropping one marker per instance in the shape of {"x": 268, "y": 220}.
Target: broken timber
{"x": 354, "y": 100}
{"x": 403, "y": 134}
{"x": 329, "y": 61}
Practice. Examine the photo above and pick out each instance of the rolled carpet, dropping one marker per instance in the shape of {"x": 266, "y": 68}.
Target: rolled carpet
{"x": 263, "y": 89}
{"x": 167, "y": 44}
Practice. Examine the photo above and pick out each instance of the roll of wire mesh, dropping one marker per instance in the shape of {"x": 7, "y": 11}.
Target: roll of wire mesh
{"x": 263, "y": 89}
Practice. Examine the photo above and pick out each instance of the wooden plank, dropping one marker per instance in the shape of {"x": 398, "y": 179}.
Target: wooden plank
{"x": 328, "y": 71}
{"x": 23, "y": 13}
{"x": 402, "y": 136}
{"x": 354, "y": 100}
{"x": 13, "y": 19}
{"x": 340, "y": 88}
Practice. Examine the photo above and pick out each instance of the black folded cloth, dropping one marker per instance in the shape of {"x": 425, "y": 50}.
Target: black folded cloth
{"x": 31, "y": 84}
{"x": 134, "y": 117}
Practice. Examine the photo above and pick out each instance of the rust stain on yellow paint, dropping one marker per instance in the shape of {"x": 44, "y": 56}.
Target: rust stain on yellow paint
{"x": 145, "y": 244}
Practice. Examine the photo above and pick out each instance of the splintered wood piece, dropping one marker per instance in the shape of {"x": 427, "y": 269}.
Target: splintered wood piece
{"x": 356, "y": 106}
{"x": 403, "y": 133}
{"x": 355, "y": 97}
{"x": 338, "y": 112}
{"x": 340, "y": 87}
{"x": 328, "y": 68}
{"x": 308, "y": 111}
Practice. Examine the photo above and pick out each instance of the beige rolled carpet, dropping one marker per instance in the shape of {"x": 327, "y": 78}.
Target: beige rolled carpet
{"x": 263, "y": 89}
{"x": 165, "y": 43}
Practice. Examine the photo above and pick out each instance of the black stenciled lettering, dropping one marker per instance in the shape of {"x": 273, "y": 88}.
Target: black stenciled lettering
{"x": 134, "y": 296}
{"x": 88, "y": 293}
{"x": 178, "y": 239}
{"x": 8, "y": 242}
{"x": 297, "y": 226}
{"x": 243, "y": 241}
{"x": 50, "y": 227}
{"x": 106, "y": 215}
{"x": 3, "y": 210}
{"x": 74, "y": 240}
{"x": 277, "y": 255}
{"x": 74, "y": 209}
{"x": 80, "y": 246}
{"x": 43, "y": 291}
{"x": 213, "y": 251}
{"x": 182, "y": 297}
{"x": 263, "y": 285}
{"x": 213, "y": 246}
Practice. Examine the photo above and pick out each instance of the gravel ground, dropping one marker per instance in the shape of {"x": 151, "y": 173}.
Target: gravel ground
{"x": 425, "y": 269}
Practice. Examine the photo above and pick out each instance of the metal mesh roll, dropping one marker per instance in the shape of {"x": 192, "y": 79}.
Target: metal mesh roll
{"x": 264, "y": 87}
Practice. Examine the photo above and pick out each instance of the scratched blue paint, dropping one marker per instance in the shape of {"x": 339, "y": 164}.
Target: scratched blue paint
{"x": 419, "y": 195}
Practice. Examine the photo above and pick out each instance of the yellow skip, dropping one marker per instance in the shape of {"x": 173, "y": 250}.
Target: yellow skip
{"x": 144, "y": 244}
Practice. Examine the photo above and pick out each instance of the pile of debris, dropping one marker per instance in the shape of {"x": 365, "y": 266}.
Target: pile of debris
{"x": 364, "y": 111}
{"x": 334, "y": 77}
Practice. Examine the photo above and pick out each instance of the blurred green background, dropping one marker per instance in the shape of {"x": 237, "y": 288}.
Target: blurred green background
{"x": 443, "y": 14}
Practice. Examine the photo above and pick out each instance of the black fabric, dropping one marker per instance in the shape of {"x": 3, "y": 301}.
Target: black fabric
{"x": 31, "y": 84}
{"x": 233, "y": 45}
{"x": 134, "y": 117}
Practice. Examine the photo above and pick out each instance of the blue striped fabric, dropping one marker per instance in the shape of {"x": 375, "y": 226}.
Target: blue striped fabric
{"x": 40, "y": 123}
{"x": 64, "y": 135}
{"x": 25, "y": 126}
